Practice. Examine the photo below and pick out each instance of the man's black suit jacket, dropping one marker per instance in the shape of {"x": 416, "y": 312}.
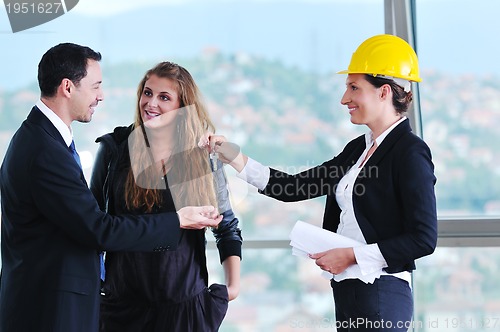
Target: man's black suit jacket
{"x": 52, "y": 230}
{"x": 393, "y": 198}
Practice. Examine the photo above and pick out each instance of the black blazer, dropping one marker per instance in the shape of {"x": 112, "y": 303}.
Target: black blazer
{"x": 394, "y": 200}
{"x": 52, "y": 230}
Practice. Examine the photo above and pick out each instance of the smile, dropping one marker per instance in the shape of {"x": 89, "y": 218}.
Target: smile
{"x": 152, "y": 114}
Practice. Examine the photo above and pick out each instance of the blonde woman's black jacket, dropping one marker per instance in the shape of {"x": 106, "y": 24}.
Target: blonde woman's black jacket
{"x": 113, "y": 157}
{"x": 394, "y": 200}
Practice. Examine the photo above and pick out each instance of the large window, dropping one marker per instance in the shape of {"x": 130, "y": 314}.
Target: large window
{"x": 456, "y": 290}
{"x": 460, "y": 102}
{"x": 267, "y": 71}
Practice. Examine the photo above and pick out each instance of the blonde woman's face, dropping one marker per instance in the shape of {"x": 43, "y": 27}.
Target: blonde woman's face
{"x": 159, "y": 101}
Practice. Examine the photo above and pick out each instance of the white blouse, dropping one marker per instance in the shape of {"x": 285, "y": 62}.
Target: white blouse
{"x": 368, "y": 256}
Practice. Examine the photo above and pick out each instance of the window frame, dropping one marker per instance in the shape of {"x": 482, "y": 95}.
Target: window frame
{"x": 452, "y": 232}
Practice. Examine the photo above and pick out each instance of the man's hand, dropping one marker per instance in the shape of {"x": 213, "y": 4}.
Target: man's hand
{"x": 198, "y": 217}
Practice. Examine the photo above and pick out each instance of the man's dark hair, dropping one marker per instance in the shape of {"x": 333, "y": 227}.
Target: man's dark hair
{"x": 62, "y": 61}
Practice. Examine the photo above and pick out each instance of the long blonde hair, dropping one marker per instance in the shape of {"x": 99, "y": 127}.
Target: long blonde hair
{"x": 189, "y": 164}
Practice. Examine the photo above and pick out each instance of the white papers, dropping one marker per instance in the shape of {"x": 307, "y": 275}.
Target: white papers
{"x": 309, "y": 239}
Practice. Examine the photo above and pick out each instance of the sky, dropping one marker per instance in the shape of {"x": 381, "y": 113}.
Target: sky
{"x": 282, "y": 32}
{"x": 454, "y": 36}
{"x": 112, "y": 7}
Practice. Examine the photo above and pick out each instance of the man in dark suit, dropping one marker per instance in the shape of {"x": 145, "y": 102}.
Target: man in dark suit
{"x": 52, "y": 228}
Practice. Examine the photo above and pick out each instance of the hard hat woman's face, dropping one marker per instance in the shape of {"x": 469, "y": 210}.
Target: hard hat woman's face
{"x": 362, "y": 99}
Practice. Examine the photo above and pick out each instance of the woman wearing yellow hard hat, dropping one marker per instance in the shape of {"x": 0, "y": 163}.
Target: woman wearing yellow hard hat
{"x": 380, "y": 191}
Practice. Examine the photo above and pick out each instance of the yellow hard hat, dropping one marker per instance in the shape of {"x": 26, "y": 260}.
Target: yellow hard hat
{"x": 385, "y": 55}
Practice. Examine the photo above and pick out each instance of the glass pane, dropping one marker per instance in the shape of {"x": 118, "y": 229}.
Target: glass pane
{"x": 267, "y": 72}
{"x": 266, "y": 69}
{"x": 279, "y": 292}
{"x": 460, "y": 99}
{"x": 456, "y": 289}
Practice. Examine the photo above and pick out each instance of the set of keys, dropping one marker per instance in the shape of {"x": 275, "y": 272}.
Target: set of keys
{"x": 214, "y": 157}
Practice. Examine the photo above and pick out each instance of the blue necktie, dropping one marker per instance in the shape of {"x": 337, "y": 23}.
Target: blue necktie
{"x": 77, "y": 159}
{"x": 74, "y": 153}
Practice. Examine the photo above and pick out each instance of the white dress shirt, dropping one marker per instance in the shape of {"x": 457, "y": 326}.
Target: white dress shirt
{"x": 368, "y": 257}
{"x": 63, "y": 129}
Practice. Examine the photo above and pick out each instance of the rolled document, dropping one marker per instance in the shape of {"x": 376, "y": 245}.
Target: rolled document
{"x": 309, "y": 239}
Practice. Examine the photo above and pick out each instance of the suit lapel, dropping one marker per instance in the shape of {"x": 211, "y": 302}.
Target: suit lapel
{"x": 37, "y": 118}
{"x": 353, "y": 153}
{"x": 392, "y": 138}
{"x": 388, "y": 142}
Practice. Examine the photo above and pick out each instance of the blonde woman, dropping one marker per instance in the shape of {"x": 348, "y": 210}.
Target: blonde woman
{"x": 152, "y": 166}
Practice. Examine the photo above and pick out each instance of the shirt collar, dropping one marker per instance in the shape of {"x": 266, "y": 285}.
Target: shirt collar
{"x": 64, "y": 130}
{"x": 369, "y": 136}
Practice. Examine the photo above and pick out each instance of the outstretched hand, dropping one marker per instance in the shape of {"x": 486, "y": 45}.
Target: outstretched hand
{"x": 228, "y": 153}
{"x": 198, "y": 217}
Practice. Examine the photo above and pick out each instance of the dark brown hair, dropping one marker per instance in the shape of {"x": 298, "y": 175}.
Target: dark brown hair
{"x": 400, "y": 98}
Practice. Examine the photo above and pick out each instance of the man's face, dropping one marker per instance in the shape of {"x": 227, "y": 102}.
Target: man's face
{"x": 87, "y": 94}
